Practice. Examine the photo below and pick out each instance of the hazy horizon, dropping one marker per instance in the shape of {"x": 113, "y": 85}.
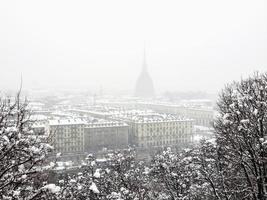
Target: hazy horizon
{"x": 190, "y": 45}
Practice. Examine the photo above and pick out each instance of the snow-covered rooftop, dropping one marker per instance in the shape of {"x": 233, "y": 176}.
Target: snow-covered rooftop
{"x": 60, "y": 122}
{"x": 105, "y": 124}
{"x": 140, "y": 116}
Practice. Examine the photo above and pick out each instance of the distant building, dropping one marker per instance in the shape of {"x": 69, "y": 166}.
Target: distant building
{"x": 144, "y": 85}
{"x": 75, "y": 137}
{"x": 203, "y": 116}
{"x": 148, "y": 130}
{"x": 92, "y": 113}
{"x": 110, "y": 135}
{"x": 67, "y": 136}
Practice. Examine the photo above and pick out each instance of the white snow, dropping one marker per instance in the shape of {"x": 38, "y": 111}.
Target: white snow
{"x": 24, "y": 176}
{"x": 97, "y": 173}
{"x": 16, "y": 193}
{"x": 52, "y": 187}
{"x": 5, "y": 138}
{"x": 244, "y": 121}
{"x": 72, "y": 181}
{"x": 94, "y": 188}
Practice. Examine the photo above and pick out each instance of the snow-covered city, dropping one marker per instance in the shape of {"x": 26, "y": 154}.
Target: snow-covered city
{"x": 133, "y": 100}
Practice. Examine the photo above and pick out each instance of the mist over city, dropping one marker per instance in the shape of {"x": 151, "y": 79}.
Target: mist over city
{"x": 133, "y": 100}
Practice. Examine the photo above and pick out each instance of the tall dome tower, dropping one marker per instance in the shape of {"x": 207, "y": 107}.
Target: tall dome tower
{"x": 144, "y": 85}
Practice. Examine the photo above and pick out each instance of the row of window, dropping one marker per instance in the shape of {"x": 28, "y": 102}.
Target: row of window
{"x": 166, "y": 137}
{"x": 174, "y": 132}
{"x": 163, "y": 143}
{"x": 165, "y": 125}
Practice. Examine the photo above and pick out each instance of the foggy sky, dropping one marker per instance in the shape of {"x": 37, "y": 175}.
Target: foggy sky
{"x": 190, "y": 45}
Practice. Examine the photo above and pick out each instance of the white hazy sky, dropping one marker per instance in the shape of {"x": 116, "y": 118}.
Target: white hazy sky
{"x": 191, "y": 44}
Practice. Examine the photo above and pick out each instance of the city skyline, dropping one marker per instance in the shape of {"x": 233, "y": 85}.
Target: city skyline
{"x": 133, "y": 100}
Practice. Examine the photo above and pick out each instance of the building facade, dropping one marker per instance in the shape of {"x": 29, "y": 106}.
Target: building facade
{"x": 156, "y": 130}
{"x": 75, "y": 137}
{"x": 67, "y": 136}
{"x": 202, "y": 116}
{"x": 110, "y": 135}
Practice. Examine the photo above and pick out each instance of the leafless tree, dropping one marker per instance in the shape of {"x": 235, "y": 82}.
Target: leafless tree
{"x": 241, "y": 132}
{"x": 21, "y": 153}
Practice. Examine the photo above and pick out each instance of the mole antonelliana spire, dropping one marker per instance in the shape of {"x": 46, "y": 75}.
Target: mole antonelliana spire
{"x": 144, "y": 85}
